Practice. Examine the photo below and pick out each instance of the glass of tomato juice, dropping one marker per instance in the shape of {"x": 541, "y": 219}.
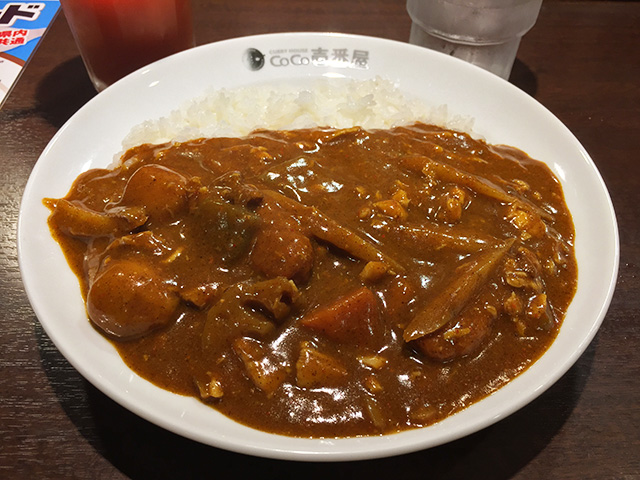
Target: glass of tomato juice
{"x": 116, "y": 37}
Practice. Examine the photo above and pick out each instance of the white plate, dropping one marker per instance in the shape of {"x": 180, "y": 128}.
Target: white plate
{"x": 502, "y": 113}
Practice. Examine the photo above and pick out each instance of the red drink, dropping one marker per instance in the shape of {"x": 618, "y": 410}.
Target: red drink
{"x": 116, "y": 37}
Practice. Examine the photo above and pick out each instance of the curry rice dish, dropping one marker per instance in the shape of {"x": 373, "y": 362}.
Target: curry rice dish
{"x": 324, "y": 282}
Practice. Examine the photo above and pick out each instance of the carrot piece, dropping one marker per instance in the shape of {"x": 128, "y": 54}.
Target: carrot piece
{"x": 353, "y": 318}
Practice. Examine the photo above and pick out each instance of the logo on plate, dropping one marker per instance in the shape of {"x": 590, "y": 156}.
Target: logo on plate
{"x": 253, "y": 59}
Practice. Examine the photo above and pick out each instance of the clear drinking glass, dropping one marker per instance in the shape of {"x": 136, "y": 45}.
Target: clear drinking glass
{"x": 486, "y": 33}
{"x": 116, "y": 37}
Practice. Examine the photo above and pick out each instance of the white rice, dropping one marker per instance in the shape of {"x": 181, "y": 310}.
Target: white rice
{"x": 327, "y": 102}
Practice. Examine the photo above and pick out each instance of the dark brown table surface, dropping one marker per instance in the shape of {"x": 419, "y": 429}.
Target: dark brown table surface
{"x": 581, "y": 60}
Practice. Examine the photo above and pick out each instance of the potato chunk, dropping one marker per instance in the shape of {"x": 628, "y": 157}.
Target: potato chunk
{"x": 283, "y": 253}
{"x": 466, "y": 335}
{"x": 161, "y": 191}
{"x": 263, "y": 370}
{"x": 317, "y": 369}
{"x": 128, "y": 299}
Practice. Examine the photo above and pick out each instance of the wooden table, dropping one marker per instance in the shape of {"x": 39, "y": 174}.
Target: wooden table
{"x": 581, "y": 60}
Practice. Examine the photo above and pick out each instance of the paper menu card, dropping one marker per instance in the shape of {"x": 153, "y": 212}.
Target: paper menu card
{"x": 22, "y": 26}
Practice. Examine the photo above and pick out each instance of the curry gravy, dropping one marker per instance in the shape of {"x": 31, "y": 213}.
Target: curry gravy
{"x": 324, "y": 282}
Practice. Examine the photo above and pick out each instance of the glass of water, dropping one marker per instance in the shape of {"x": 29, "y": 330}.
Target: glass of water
{"x": 486, "y": 33}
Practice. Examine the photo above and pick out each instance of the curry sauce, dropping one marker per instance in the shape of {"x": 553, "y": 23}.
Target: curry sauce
{"x": 324, "y": 282}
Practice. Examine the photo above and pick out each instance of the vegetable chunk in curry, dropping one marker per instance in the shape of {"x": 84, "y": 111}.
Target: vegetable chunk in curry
{"x": 324, "y": 282}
